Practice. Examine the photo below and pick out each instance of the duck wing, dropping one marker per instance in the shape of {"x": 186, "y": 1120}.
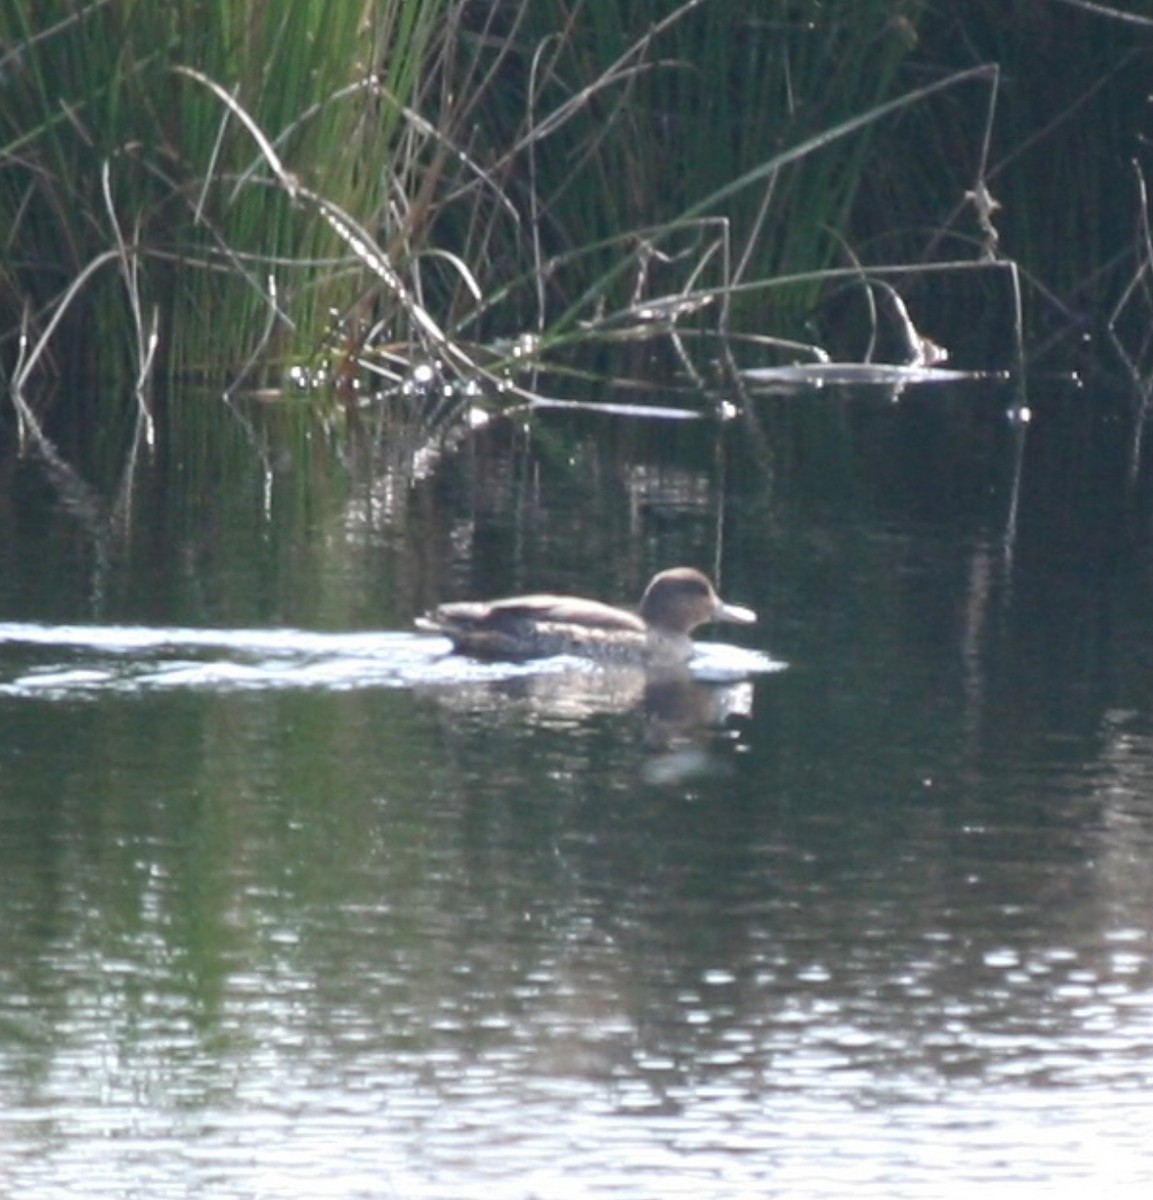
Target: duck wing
{"x": 565, "y": 610}
{"x": 518, "y": 611}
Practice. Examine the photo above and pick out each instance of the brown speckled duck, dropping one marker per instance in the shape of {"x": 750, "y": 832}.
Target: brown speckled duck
{"x": 540, "y": 626}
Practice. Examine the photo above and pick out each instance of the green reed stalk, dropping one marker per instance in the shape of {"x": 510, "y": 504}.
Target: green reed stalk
{"x": 105, "y": 143}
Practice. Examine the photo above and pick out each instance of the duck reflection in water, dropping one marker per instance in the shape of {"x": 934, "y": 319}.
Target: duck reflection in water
{"x": 657, "y": 635}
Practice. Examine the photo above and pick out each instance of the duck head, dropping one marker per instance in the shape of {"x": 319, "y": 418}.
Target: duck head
{"x": 680, "y": 599}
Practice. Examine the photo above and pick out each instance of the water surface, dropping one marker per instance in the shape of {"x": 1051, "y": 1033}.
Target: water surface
{"x": 289, "y": 907}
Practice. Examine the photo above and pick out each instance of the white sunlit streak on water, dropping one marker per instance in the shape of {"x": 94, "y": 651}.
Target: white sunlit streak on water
{"x": 129, "y": 659}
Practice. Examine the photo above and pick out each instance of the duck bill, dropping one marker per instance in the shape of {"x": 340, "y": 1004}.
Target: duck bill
{"x": 736, "y": 613}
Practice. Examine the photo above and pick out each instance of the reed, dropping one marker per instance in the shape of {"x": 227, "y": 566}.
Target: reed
{"x": 641, "y": 179}
{"x": 112, "y": 145}
{"x": 436, "y": 193}
{"x": 1053, "y": 157}
{"x": 677, "y": 102}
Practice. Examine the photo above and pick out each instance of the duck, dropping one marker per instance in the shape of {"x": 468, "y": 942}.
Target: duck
{"x": 521, "y": 628}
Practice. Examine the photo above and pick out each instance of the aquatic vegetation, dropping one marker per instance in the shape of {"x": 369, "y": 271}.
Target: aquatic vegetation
{"x": 426, "y": 198}
{"x": 144, "y": 220}
{"x": 448, "y": 188}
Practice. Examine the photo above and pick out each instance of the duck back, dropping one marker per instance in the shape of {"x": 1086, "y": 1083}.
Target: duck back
{"x": 525, "y": 627}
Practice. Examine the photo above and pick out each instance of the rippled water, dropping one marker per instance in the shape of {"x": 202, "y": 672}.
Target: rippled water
{"x": 291, "y": 914}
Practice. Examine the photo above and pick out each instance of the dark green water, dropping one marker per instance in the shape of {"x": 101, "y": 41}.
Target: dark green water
{"x": 331, "y": 918}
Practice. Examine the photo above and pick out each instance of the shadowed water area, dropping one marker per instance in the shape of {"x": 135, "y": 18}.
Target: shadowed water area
{"x": 294, "y": 904}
